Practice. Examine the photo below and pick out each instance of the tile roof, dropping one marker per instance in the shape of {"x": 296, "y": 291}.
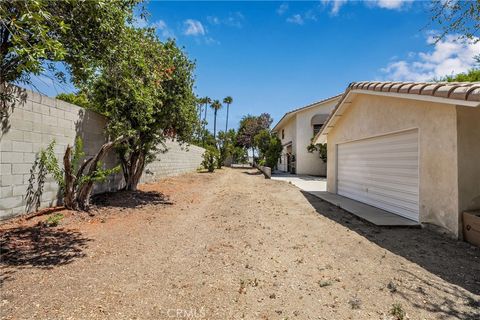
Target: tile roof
{"x": 305, "y": 107}
{"x": 468, "y": 91}
{"x": 459, "y": 91}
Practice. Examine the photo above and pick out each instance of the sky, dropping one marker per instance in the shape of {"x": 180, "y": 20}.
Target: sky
{"x": 277, "y": 56}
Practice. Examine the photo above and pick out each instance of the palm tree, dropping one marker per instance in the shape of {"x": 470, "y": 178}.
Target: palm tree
{"x": 216, "y": 105}
{"x": 228, "y": 100}
{"x": 206, "y": 101}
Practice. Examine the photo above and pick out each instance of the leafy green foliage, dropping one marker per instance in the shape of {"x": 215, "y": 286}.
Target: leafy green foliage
{"x": 49, "y": 161}
{"x": 34, "y": 34}
{"x": 321, "y": 148}
{"x": 146, "y": 89}
{"x": 397, "y": 311}
{"x": 269, "y": 146}
{"x": 73, "y": 177}
{"x": 54, "y": 220}
{"x": 79, "y": 99}
{"x": 472, "y": 75}
{"x": 210, "y": 157}
{"x": 250, "y": 126}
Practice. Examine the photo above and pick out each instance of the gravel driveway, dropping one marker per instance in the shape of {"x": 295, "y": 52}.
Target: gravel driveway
{"x": 230, "y": 245}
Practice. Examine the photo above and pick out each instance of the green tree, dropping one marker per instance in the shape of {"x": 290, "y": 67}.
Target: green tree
{"x": 472, "y": 75}
{"x": 145, "y": 88}
{"x": 206, "y": 101}
{"x": 216, "y": 105}
{"x": 79, "y": 99}
{"x": 35, "y": 34}
{"x": 228, "y": 101}
{"x": 269, "y": 147}
{"x": 249, "y": 127}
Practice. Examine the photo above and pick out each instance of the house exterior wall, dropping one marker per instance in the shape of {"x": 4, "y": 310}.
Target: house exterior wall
{"x": 290, "y": 129}
{"x": 370, "y": 116}
{"x": 468, "y": 139}
{"x": 309, "y": 163}
{"x": 32, "y": 125}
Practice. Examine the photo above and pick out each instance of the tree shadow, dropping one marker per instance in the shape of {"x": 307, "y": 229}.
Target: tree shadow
{"x": 454, "y": 261}
{"x": 10, "y": 96}
{"x": 36, "y": 182}
{"x": 130, "y": 199}
{"x": 39, "y": 246}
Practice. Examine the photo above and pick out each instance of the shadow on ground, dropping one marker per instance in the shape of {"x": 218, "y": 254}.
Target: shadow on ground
{"x": 39, "y": 246}
{"x": 255, "y": 173}
{"x": 453, "y": 261}
{"x": 130, "y": 199}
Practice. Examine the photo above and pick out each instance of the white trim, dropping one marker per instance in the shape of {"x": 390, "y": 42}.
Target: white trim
{"x": 381, "y": 135}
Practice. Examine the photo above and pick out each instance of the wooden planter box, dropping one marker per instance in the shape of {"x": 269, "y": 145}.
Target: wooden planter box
{"x": 471, "y": 227}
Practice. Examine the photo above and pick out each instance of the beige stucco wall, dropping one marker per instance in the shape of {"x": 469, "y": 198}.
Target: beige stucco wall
{"x": 289, "y": 136}
{"x": 310, "y": 163}
{"x": 370, "y": 116}
{"x": 468, "y": 121}
{"x": 299, "y": 131}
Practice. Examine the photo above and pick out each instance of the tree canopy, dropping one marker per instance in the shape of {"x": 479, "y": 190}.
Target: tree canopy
{"x": 250, "y": 126}
{"x": 145, "y": 88}
{"x": 457, "y": 17}
{"x": 34, "y": 34}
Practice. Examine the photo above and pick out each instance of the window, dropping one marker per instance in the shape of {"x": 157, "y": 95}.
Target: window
{"x": 316, "y": 129}
{"x": 283, "y": 133}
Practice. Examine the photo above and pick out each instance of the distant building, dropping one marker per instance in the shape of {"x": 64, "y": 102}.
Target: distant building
{"x": 296, "y": 130}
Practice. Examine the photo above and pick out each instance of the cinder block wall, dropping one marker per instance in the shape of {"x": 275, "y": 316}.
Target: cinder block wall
{"x": 32, "y": 124}
{"x": 178, "y": 159}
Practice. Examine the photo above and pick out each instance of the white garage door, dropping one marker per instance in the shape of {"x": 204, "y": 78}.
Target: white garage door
{"x": 382, "y": 172}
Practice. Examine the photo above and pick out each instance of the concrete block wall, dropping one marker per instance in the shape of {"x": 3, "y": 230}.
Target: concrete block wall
{"x": 179, "y": 159}
{"x": 33, "y": 123}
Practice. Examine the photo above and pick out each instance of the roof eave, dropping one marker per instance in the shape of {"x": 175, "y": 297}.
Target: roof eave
{"x": 349, "y": 94}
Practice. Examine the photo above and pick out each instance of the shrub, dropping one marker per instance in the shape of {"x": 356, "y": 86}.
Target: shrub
{"x": 321, "y": 148}
{"x": 76, "y": 179}
{"x": 54, "y": 220}
{"x": 210, "y": 157}
{"x": 397, "y": 311}
{"x": 270, "y": 147}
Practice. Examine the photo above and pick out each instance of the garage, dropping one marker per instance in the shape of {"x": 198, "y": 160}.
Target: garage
{"x": 382, "y": 171}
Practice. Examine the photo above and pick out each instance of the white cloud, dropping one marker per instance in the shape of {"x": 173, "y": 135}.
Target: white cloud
{"x": 282, "y": 9}
{"x": 163, "y": 28}
{"x": 391, "y": 4}
{"x": 448, "y": 57}
{"x": 213, "y": 20}
{"x": 336, "y": 5}
{"x": 193, "y": 28}
{"x": 296, "y": 19}
{"x": 234, "y": 19}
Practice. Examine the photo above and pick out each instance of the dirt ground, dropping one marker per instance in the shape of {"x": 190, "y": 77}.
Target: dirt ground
{"x": 230, "y": 245}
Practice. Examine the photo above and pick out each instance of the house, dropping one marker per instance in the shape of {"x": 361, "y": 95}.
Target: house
{"x": 296, "y": 130}
{"x": 412, "y": 149}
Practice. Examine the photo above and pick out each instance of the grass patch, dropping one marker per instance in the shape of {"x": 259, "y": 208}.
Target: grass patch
{"x": 54, "y": 220}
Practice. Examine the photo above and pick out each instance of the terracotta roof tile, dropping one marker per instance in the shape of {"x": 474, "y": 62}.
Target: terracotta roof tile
{"x": 467, "y": 91}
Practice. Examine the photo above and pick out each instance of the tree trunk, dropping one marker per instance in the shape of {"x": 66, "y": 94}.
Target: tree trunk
{"x": 133, "y": 170}
{"x": 204, "y": 124}
{"x": 226, "y": 123}
{"x": 69, "y": 190}
{"x": 85, "y": 190}
{"x": 215, "y": 125}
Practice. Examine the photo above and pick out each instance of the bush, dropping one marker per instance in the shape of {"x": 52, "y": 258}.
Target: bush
{"x": 321, "y": 148}
{"x": 270, "y": 147}
{"x": 210, "y": 158}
